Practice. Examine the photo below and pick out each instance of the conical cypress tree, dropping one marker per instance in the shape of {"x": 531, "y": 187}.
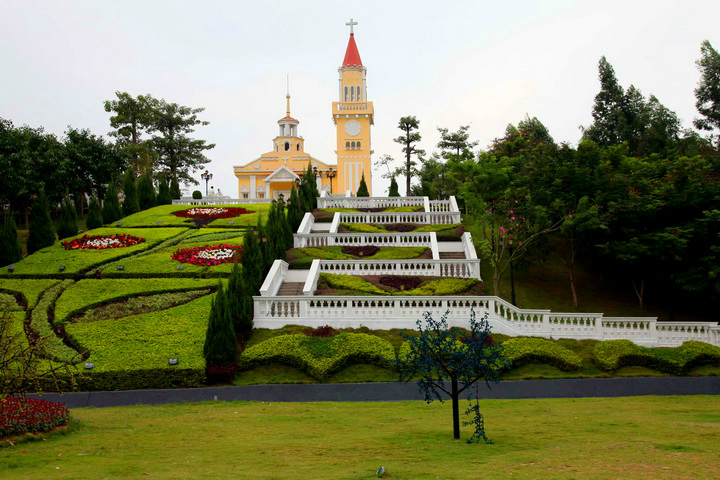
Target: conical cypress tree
{"x": 146, "y": 192}
{"x": 41, "y": 233}
{"x": 175, "y": 189}
{"x": 10, "y": 251}
{"x": 68, "y": 220}
{"x": 130, "y": 203}
{"x": 111, "y": 211}
{"x": 220, "y": 343}
{"x": 295, "y": 212}
{"x": 94, "y": 216}
{"x": 237, "y": 296}
{"x": 267, "y": 257}
{"x": 163, "y": 197}
{"x": 362, "y": 190}
{"x": 394, "y": 191}
{"x": 252, "y": 263}
{"x": 284, "y": 229}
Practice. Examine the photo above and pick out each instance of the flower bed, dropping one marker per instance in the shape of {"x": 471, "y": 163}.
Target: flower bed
{"x": 19, "y": 416}
{"x": 208, "y": 255}
{"x": 212, "y": 213}
{"x": 102, "y": 242}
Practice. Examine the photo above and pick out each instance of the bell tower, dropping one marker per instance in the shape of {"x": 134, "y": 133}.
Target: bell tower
{"x": 353, "y": 116}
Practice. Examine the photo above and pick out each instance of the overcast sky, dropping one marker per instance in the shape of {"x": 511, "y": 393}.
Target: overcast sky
{"x": 480, "y": 63}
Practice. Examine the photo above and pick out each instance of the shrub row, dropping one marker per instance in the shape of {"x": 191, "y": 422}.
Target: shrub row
{"x": 140, "y": 379}
{"x": 614, "y": 354}
{"x": 319, "y": 357}
{"x": 40, "y": 324}
{"x": 524, "y": 350}
{"x": 30, "y": 289}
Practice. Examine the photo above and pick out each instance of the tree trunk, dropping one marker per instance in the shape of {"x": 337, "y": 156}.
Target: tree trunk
{"x": 456, "y": 409}
{"x": 639, "y": 291}
{"x": 407, "y": 176}
{"x": 572, "y": 287}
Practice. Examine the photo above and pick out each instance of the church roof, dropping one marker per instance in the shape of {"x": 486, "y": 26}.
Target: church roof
{"x": 352, "y": 56}
{"x": 288, "y": 117}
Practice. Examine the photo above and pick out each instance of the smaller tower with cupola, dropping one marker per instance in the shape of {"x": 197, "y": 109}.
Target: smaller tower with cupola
{"x": 353, "y": 116}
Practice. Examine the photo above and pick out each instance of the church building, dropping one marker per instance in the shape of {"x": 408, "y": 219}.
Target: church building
{"x": 273, "y": 173}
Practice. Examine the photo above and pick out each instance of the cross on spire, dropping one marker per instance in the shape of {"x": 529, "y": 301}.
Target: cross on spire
{"x": 350, "y": 24}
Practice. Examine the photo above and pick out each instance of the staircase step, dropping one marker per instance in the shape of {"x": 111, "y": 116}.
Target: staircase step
{"x": 452, "y": 255}
{"x": 291, "y": 288}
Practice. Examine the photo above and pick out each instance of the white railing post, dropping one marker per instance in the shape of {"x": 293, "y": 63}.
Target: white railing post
{"x": 335, "y": 225}
{"x": 312, "y": 278}
{"x": 453, "y": 204}
{"x": 426, "y": 203}
{"x": 274, "y": 279}
{"x": 434, "y": 246}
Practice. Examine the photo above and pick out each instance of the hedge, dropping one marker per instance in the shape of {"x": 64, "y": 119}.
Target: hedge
{"x": 301, "y": 258}
{"x": 524, "y": 350}
{"x": 435, "y": 286}
{"x": 91, "y": 293}
{"x": 319, "y": 357}
{"x": 49, "y": 259}
{"x": 30, "y": 289}
{"x": 138, "y": 379}
{"x": 362, "y": 228}
{"x": 163, "y": 214}
{"x": 613, "y": 354}
{"x": 40, "y": 324}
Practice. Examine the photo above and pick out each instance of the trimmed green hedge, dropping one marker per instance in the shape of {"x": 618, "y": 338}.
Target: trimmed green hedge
{"x": 169, "y": 377}
{"x": 613, "y": 354}
{"x": 40, "y": 323}
{"x": 523, "y": 350}
{"x": 48, "y": 260}
{"x": 91, "y": 293}
{"x": 317, "y": 356}
{"x": 30, "y": 289}
{"x": 349, "y": 284}
{"x": 362, "y": 228}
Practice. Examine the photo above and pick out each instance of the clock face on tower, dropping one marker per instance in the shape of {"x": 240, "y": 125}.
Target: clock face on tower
{"x": 353, "y": 127}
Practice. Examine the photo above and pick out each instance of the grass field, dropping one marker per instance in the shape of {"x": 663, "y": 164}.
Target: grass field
{"x": 630, "y": 438}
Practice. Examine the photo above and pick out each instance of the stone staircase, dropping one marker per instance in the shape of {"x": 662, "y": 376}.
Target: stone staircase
{"x": 452, "y": 255}
{"x": 291, "y": 288}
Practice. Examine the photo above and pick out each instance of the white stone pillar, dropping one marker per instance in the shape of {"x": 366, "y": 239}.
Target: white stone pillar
{"x": 253, "y": 186}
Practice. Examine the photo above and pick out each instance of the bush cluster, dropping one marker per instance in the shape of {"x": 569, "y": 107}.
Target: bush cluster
{"x": 19, "y": 416}
{"x": 401, "y": 282}
{"x": 319, "y": 357}
{"x": 400, "y": 227}
{"x": 614, "y": 354}
{"x": 362, "y": 251}
{"x": 523, "y": 350}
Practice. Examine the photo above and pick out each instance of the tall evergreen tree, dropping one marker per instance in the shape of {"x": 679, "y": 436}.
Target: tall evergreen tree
{"x": 707, "y": 93}
{"x": 394, "y": 191}
{"x": 284, "y": 230}
{"x": 409, "y": 141}
{"x": 295, "y": 211}
{"x": 234, "y": 301}
{"x": 68, "y": 220}
{"x": 146, "y": 191}
{"x": 220, "y": 346}
{"x": 252, "y": 262}
{"x": 94, "y": 216}
{"x": 130, "y": 203}
{"x": 163, "y": 197}
{"x": 41, "y": 233}
{"x": 362, "y": 190}
{"x": 132, "y": 119}
{"x": 308, "y": 190}
{"x": 608, "y": 110}
{"x": 175, "y": 192}
{"x": 10, "y": 251}
{"x": 267, "y": 257}
{"x": 111, "y": 211}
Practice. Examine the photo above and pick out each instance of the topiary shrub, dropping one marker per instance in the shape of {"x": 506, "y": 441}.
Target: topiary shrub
{"x": 10, "y": 251}
{"x": 68, "y": 220}
{"x": 41, "y": 233}
{"x": 319, "y": 357}
{"x": 524, "y": 350}
{"x": 324, "y": 332}
{"x": 197, "y": 194}
{"x": 613, "y": 354}
{"x": 94, "y": 216}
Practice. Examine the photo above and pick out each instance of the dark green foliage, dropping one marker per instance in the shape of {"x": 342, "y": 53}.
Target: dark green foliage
{"x": 267, "y": 255}
{"x": 393, "y": 188}
{"x": 139, "y": 379}
{"x": 94, "y": 217}
{"x": 146, "y": 191}
{"x": 362, "y": 190}
{"x": 68, "y": 220}
{"x": 450, "y": 364}
{"x": 163, "y": 197}
{"x": 220, "y": 343}
{"x": 10, "y": 251}
{"x": 197, "y": 194}
{"x": 252, "y": 263}
{"x": 614, "y": 354}
{"x": 237, "y": 304}
{"x": 111, "y": 211}
{"x": 133, "y": 118}
{"x": 409, "y": 141}
{"x": 295, "y": 211}
{"x": 41, "y": 233}
{"x": 130, "y": 202}
{"x": 707, "y": 93}
{"x": 175, "y": 192}
{"x": 308, "y": 190}
{"x": 524, "y": 350}
{"x": 279, "y": 236}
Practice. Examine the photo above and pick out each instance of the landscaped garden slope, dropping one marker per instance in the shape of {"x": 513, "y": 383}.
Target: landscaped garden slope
{"x": 633, "y": 438}
{"x": 445, "y": 233}
{"x": 164, "y": 215}
{"x": 302, "y": 257}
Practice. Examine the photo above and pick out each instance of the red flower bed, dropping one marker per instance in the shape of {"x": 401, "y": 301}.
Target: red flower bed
{"x": 364, "y": 251}
{"x": 19, "y": 416}
{"x": 102, "y": 242}
{"x": 208, "y": 255}
{"x": 211, "y": 213}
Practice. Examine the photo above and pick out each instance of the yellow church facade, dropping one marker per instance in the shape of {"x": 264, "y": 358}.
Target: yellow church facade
{"x": 275, "y": 172}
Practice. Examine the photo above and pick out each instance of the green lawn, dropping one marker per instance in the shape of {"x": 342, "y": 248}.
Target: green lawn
{"x": 651, "y": 438}
{"x": 163, "y": 214}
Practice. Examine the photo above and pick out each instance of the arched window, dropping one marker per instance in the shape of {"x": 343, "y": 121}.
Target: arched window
{"x": 298, "y": 147}
{"x": 347, "y": 145}
{"x": 287, "y": 146}
{"x": 352, "y": 145}
{"x": 357, "y": 95}
{"x": 352, "y": 94}
{"x": 358, "y": 145}
{"x": 346, "y": 94}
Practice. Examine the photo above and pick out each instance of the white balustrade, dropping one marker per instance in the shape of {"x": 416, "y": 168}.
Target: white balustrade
{"x": 307, "y": 224}
{"x": 221, "y": 201}
{"x": 457, "y": 268}
{"x": 370, "y": 202}
{"x": 674, "y": 333}
{"x": 384, "y": 218}
{"x": 440, "y": 206}
{"x": 275, "y": 278}
{"x": 408, "y": 239}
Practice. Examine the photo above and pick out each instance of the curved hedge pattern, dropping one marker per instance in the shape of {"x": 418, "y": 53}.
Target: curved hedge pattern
{"x": 317, "y": 356}
{"x": 614, "y": 354}
{"x": 523, "y": 350}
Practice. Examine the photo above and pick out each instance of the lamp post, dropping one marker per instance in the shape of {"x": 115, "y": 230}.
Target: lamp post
{"x": 512, "y": 275}
{"x": 207, "y": 176}
{"x": 330, "y": 175}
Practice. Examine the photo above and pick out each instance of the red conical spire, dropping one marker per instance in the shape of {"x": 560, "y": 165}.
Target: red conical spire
{"x": 352, "y": 56}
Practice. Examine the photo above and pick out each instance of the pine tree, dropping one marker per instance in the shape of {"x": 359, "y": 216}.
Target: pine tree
{"x": 10, "y": 251}
{"x": 220, "y": 343}
{"x": 175, "y": 193}
{"x": 252, "y": 263}
{"x": 295, "y": 212}
{"x": 94, "y": 216}
{"x": 284, "y": 229}
{"x": 394, "y": 190}
{"x": 234, "y": 301}
{"x": 68, "y": 220}
{"x": 265, "y": 252}
{"x": 163, "y": 197}
{"x": 309, "y": 190}
{"x": 707, "y": 93}
{"x": 111, "y": 211}
{"x": 146, "y": 192}
{"x": 362, "y": 190}
{"x": 130, "y": 203}
{"x": 41, "y": 233}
